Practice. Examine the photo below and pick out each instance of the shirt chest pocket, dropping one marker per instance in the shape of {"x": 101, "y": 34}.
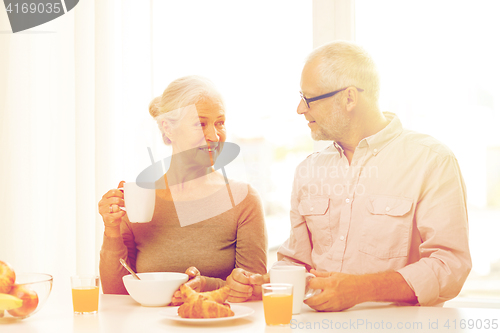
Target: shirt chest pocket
{"x": 315, "y": 212}
{"x": 387, "y": 226}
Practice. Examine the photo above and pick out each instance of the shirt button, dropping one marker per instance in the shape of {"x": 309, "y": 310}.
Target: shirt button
{"x": 342, "y": 238}
{"x": 387, "y": 209}
{"x": 375, "y": 150}
{"x": 311, "y": 209}
{"x": 347, "y": 200}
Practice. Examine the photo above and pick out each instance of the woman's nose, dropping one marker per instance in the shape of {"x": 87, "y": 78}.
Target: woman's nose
{"x": 211, "y": 134}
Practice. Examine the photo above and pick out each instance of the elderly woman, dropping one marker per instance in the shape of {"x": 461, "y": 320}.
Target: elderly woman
{"x": 201, "y": 219}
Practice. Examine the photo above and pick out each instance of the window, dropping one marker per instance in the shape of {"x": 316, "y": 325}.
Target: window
{"x": 438, "y": 62}
{"x": 254, "y": 52}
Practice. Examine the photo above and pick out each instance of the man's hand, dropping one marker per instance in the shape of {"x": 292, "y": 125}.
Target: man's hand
{"x": 340, "y": 291}
{"x": 245, "y": 286}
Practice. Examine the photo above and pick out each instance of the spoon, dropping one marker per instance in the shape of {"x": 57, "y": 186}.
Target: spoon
{"x": 127, "y": 267}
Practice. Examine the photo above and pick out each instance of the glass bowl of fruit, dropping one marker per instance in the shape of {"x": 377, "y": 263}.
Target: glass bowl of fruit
{"x": 22, "y": 294}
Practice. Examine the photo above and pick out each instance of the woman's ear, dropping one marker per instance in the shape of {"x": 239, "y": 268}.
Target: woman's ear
{"x": 167, "y": 130}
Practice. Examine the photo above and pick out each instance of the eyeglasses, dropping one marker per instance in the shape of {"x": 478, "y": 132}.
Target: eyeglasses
{"x": 330, "y": 94}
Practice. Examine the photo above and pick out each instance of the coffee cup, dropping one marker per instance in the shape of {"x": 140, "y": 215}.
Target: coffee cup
{"x": 298, "y": 277}
{"x": 139, "y": 202}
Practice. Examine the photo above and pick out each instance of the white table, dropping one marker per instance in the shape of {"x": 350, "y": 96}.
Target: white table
{"x": 121, "y": 314}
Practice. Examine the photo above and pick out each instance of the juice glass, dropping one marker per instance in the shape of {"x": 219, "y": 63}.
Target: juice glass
{"x": 278, "y": 303}
{"x": 85, "y": 292}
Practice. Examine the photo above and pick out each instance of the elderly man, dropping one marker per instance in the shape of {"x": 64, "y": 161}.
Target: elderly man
{"x": 379, "y": 215}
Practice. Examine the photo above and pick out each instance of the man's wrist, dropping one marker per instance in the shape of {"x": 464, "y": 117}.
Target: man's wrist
{"x": 384, "y": 287}
{"x": 366, "y": 287}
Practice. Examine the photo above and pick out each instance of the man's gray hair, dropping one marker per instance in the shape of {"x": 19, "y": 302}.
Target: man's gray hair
{"x": 344, "y": 64}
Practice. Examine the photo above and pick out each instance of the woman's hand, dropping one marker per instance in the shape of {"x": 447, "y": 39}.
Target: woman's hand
{"x": 196, "y": 282}
{"x": 245, "y": 286}
{"x": 109, "y": 208}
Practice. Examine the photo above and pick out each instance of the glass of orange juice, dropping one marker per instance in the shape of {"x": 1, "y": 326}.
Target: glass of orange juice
{"x": 278, "y": 303}
{"x": 85, "y": 292}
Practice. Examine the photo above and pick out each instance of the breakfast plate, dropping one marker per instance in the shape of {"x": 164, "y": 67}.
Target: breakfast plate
{"x": 240, "y": 311}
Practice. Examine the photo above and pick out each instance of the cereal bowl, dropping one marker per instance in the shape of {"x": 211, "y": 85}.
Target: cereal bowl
{"x": 154, "y": 289}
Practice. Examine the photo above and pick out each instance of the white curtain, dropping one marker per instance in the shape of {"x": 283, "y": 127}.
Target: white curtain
{"x": 74, "y": 120}
{"x": 71, "y": 92}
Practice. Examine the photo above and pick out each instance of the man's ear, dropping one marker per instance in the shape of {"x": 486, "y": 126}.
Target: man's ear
{"x": 352, "y": 98}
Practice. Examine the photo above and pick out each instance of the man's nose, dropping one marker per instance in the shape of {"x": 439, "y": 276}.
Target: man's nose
{"x": 302, "y": 107}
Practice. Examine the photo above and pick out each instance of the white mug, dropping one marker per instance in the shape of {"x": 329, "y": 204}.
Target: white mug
{"x": 139, "y": 202}
{"x": 297, "y": 276}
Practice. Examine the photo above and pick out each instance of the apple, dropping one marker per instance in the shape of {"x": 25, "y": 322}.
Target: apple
{"x": 7, "y": 277}
{"x": 29, "y": 297}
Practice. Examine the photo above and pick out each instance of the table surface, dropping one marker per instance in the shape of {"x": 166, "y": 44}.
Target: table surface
{"x": 119, "y": 313}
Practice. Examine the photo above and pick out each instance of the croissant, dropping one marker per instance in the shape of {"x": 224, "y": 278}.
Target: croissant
{"x": 220, "y": 295}
{"x": 204, "y": 305}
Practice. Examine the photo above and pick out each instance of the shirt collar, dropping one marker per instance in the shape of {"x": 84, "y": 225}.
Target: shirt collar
{"x": 339, "y": 149}
{"x": 381, "y": 139}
